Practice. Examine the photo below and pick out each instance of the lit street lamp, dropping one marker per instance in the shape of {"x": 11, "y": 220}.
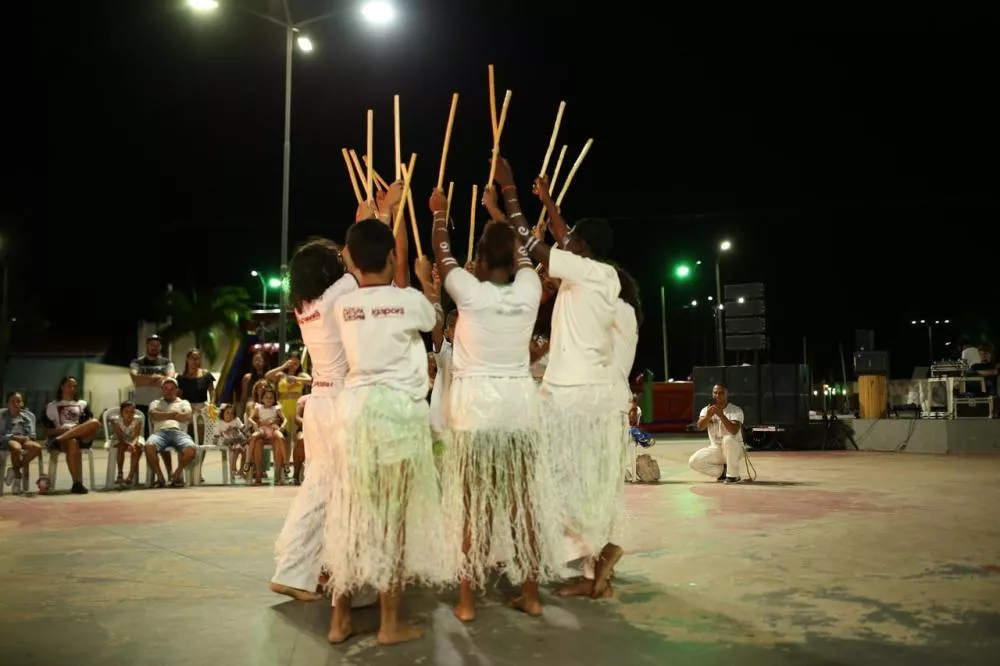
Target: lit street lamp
{"x": 681, "y": 272}
{"x": 273, "y": 283}
{"x": 374, "y": 11}
{"x": 724, "y": 246}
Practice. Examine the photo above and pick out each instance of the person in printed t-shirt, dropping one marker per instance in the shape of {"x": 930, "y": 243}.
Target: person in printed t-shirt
{"x": 148, "y": 373}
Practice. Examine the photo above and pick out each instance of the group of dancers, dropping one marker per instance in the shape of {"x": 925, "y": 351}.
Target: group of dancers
{"x": 530, "y": 476}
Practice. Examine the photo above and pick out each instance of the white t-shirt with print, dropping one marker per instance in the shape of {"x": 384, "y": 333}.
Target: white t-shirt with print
{"x": 442, "y": 384}
{"x": 322, "y": 338}
{"x": 582, "y": 350}
{"x": 175, "y": 406}
{"x": 380, "y": 328}
{"x": 495, "y": 323}
{"x": 715, "y": 430}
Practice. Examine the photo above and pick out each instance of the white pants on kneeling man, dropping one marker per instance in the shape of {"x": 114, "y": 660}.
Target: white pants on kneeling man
{"x": 712, "y": 459}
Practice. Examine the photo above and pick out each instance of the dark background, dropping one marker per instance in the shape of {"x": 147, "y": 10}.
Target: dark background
{"x": 849, "y": 159}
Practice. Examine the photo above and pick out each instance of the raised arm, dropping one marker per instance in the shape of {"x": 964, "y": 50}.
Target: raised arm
{"x": 440, "y": 238}
{"x": 437, "y": 335}
{"x": 490, "y": 202}
{"x": 556, "y": 222}
{"x": 535, "y": 248}
{"x": 422, "y": 268}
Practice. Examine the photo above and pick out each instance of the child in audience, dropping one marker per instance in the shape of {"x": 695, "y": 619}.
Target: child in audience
{"x": 267, "y": 420}
{"x": 127, "y": 427}
{"x": 230, "y": 433}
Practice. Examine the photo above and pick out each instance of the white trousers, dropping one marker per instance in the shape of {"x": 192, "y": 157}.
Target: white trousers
{"x": 298, "y": 551}
{"x": 710, "y": 460}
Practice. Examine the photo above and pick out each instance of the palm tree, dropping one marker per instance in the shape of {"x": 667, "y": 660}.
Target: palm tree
{"x": 205, "y": 318}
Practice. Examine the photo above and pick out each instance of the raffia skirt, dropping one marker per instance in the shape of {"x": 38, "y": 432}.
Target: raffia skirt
{"x": 585, "y": 436}
{"x": 493, "y": 481}
{"x": 383, "y": 524}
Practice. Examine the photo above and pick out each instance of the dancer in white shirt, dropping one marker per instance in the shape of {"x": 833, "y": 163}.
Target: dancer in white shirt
{"x": 724, "y": 422}
{"x": 490, "y": 479}
{"x": 317, "y": 280}
{"x": 581, "y": 392}
{"x": 383, "y": 523}
{"x": 443, "y": 345}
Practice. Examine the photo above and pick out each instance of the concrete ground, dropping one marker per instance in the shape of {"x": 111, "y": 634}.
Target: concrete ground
{"x": 829, "y": 558}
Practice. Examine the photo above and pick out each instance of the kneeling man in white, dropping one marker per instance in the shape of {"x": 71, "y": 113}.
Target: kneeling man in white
{"x": 724, "y": 453}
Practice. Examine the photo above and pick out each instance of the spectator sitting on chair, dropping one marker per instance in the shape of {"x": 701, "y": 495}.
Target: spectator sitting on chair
{"x": 127, "y": 431}
{"x": 170, "y": 416}
{"x": 724, "y": 423}
{"x": 17, "y": 435}
{"x": 70, "y": 426}
{"x": 148, "y": 372}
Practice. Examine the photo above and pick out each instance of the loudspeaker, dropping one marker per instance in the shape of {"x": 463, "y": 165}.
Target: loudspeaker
{"x": 749, "y": 291}
{"x": 750, "y": 404}
{"x": 745, "y": 325}
{"x": 744, "y": 309}
{"x": 871, "y": 363}
{"x": 705, "y": 377}
{"x": 743, "y": 379}
{"x": 864, "y": 340}
{"x": 784, "y": 394}
{"x": 746, "y": 342}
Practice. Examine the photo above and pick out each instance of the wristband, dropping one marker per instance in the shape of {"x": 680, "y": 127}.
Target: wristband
{"x": 530, "y": 244}
{"x": 507, "y": 187}
{"x": 516, "y": 215}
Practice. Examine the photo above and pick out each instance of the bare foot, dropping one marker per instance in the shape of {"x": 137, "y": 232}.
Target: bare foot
{"x": 578, "y": 588}
{"x": 532, "y": 607}
{"x": 464, "y": 612}
{"x": 607, "y": 594}
{"x": 295, "y": 593}
{"x": 610, "y": 555}
{"x": 403, "y": 633}
{"x": 340, "y": 629}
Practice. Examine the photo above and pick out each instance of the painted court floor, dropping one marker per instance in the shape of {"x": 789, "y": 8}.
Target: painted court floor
{"x": 829, "y": 558}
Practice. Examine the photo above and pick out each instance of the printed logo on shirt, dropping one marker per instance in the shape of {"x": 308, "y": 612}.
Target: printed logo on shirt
{"x": 354, "y": 314}
{"x": 309, "y": 318}
{"x": 395, "y": 311}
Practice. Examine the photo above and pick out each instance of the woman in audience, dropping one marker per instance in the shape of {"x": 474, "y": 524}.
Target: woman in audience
{"x": 291, "y": 381}
{"x": 70, "y": 426}
{"x": 126, "y": 435}
{"x": 17, "y": 435}
{"x": 257, "y": 373}
{"x": 267, "y": 420}
{"x": 251, "y": 404}
{"x": 197, "y": 386}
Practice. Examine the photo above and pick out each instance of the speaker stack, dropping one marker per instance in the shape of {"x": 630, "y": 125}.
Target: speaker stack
{"x": 746, "y": 328}
{"x": 773, "y": 394}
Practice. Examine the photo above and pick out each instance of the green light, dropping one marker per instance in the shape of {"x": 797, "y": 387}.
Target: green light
{"x": 682, "y": 271}
{"x": 274, "y": 283}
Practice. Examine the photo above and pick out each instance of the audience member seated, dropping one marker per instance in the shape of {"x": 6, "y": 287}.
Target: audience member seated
{"x": 70, "y": 426}
{"x": 170, "y": 416}
{"x": 252, "y": 379}
{"x": 126, "y": 436}
{"x": 17, "y": 435}
{"x": 231, "y": 433}
{"x": 299, "y": 448}
{"x": 251, "y": 404}
{"x": 291, "y": 381}
{"x": 197, "y": 386}
{"x": 266, "y": 422}
{"x": 148, "y": 372}
{"x": 988, "y": 369}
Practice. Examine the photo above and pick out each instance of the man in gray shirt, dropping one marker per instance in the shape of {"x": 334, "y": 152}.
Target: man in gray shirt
{"x": 148, "y": 373}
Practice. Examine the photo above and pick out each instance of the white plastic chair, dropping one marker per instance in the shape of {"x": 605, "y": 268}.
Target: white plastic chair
{"x": 54, "y": 466}
{"x": 111, "y": 446}
{"x": 26, "y": 481}
{"x": 193, "y": 472}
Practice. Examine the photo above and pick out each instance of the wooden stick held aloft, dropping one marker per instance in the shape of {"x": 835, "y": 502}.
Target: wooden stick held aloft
{"x": 361, "y": 175}
{"x": 407, "y": 174}
{"x": 399, "y": 143}
{"x": 493, "y": 104}
{"x": 447, "y": 140}
{"x": 552, "y": 183}
{"x": 447, "y": 211}
{"x": 350, "y": 172}
{"x": 413, "y": 222}
{"x": 368, "y": 152}
{"x": 496, "y": 139}
{"x": 572, "y": 171}
{"x": 472, "y": 222}
{"x": 552, "y": 139}
{"x": 380, "y": 182}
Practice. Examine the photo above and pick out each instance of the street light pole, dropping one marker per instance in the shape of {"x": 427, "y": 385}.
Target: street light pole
{"x": 285, "y": 183}
{"x": 663, "y": 321}
{"x": 720, "y": 336}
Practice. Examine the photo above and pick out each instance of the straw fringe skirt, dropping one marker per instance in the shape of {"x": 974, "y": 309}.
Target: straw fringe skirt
{"x": 493, "y": 479}
{"x": 383, "y": 524}
{"x": 585, "y": 428}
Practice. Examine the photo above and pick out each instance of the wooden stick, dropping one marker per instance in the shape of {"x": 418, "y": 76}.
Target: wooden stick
{"x": 380, "y": 182}
{"x": 368, "y": 178}
{"x": 555, "y": 177}
{"x": 447, "y": 140}
{"x": 552, "y": 139}
{"x": 350, "y": 172}
{"x": 472, "y": 222}
{"x": 399, "y": 144}
{"x": 413, "y": 211}
{"x": 572, "y": 171}
{"x": 407, "y": 173}
{"x": 361, "y": 174}
{"x": 496, "y": 139}
{"x": 493, "y": 105}
{"x": 447, "y": 211}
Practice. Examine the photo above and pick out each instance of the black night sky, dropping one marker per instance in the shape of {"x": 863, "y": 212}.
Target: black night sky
{"x": 851, "y": 160}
